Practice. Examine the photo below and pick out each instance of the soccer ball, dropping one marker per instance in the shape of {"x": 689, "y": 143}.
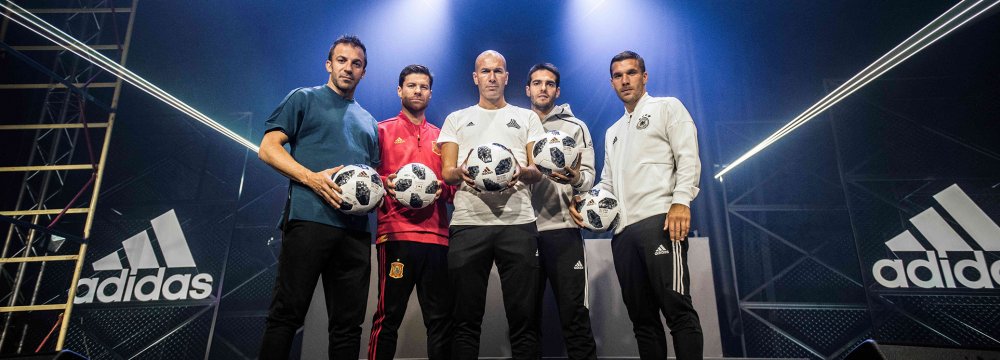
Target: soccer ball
{"x": 360, "y": 189}
{"x": 416, "y": 185}
{"x": 491, "y": 166}
{"x": 554, "y": 152}
{"x": 599, "y": 209}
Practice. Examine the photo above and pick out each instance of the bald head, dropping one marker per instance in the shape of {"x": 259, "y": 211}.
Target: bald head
{"x": 490, "y": 76}
{"x": 492, "y": 54}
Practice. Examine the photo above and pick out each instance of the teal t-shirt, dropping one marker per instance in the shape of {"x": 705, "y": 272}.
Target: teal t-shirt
{"x": 324, "y": 130}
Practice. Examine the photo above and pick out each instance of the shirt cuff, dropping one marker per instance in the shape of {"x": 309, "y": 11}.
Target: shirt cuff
{"x": 682, "y": 197}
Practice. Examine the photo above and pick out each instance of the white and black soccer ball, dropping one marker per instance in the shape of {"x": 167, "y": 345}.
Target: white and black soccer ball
{"x": 599, "y": 209}
{"x": 361, "y": 189}
{"x": 416, "y": 185}
{"x": 554, "y": 152}
{"x": 491, "y": 166}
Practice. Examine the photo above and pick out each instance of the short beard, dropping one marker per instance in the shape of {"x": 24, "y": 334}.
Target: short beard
{"x": 412, "y": 109}
{"x": 346, "y": 90}
{"x": 546, "y": 108}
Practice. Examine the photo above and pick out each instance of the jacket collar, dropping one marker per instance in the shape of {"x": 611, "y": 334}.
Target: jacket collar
{"x": 558, "y": 111}
{"x": 642, "y": 100}
{"x": 402, "y": 116}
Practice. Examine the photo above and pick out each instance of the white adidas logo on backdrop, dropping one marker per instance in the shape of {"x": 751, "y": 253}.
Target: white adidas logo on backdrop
{"x": 139, "y": 253}
{"x": 936, "y": 269}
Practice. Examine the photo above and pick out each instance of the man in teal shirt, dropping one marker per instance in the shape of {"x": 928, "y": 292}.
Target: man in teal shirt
{"x": 325, "y": 129}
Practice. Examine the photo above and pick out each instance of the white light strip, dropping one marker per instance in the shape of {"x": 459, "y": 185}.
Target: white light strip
{"x": 894, "y": 57}
{"x": 25, "y": 18}
{"x": 866, "y": 75}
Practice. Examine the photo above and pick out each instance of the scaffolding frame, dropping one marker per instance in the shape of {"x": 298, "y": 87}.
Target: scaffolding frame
{"x": 55, "y": 138}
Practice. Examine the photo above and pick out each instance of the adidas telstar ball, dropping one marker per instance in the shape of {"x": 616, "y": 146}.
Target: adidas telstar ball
{"x": 554, "y": 152}
{"x": 599, "y": 209}
{"x": 416, "y": 185}
{"x": 491, "y": 166}
{"x": 361, "y": 189}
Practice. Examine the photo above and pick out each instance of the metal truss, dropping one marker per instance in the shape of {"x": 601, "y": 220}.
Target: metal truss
{"x": 767, "y": 256}
{"x": 63, "y": 168}
{"x": 749, "y": 211}
{"x": 214, "y": 315}
{"x": 930, "y": 317}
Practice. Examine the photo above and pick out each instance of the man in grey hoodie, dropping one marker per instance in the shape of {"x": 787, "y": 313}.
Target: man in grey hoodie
{"x": 560, "y": 245}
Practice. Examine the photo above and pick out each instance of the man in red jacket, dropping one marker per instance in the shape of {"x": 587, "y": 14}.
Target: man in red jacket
{"x": 412, "y": 244}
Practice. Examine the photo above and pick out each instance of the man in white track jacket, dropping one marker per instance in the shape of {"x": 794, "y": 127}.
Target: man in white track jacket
{"x": 651, "y": 164}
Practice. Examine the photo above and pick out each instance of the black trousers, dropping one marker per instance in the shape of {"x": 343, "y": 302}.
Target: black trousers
{"x": 343, "y": 257}
{"x": 653, "y": 273}
{"x": 403, "y": 265}
{"x": 563, "y": 264}
{"x": 472, "y": 251}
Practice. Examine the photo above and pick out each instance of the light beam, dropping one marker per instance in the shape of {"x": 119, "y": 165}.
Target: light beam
{"x": 943, "y": 25}
{"x": 25, "y": 18}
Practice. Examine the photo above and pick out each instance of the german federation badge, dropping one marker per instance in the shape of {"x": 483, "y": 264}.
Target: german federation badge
{"x": 643, "y": 122}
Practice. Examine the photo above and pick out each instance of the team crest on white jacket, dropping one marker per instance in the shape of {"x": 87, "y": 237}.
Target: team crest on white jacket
{"x": 952, "y": 263}
{"x": 131, "y": 285}
{"x": 643, "y": 122}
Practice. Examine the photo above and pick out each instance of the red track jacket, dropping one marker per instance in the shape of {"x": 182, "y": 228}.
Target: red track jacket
{"x": 402, "y": 143}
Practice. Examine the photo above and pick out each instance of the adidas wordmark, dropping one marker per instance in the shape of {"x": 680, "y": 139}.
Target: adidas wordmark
{"x": 139, "y": 252}
{"x": 933, "y": 268}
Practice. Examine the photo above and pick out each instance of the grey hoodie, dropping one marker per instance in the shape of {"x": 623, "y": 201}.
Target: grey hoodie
{"x": 550, "y": 199}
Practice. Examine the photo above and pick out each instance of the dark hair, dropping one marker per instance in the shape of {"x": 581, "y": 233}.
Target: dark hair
{"x": 351, "y": 40}
{"x": 415, "y": 69}
{"x": 544, "y": 66}
{"x": 628, "y": 54}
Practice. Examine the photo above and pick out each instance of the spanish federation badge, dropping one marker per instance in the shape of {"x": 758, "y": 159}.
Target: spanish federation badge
{"x": 396, "y": 270}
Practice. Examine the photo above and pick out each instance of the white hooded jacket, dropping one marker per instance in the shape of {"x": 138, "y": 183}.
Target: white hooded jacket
{"x": 550, "y": 199}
